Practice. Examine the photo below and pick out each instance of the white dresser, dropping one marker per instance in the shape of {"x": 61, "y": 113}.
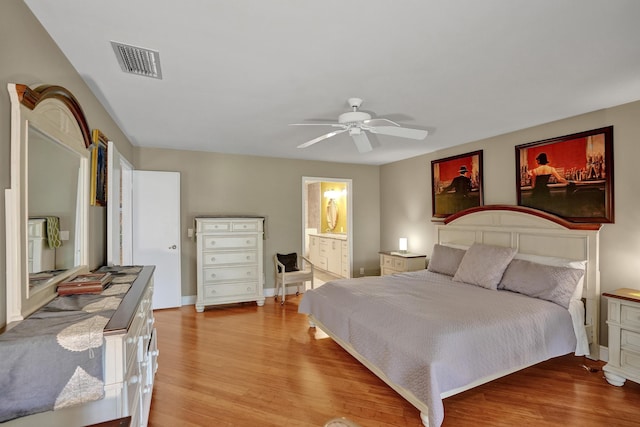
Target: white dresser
{"x": 391, "y": 262}
{"x": 624, "y": 336}
{"x": 230, "y": 263}
{"x": 41, "y": 256}
{"x": 130, "y": 364}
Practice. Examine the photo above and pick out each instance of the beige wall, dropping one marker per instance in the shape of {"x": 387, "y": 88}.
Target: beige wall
{"x": 406, "y": 209}
{"x": 213, "y": 183}
{"x": 29, "y": 56}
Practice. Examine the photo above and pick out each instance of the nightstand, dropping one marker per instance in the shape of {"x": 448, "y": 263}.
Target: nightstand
{"x": 396, "y": 262}
{"x": 624, "y": 336}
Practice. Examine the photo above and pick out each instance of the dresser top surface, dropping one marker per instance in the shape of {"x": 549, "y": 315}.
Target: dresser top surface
{"x": 625, "y": 294}
{"x": 402, "y": 255}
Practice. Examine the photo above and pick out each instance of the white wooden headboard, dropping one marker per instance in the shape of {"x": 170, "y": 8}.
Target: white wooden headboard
{"x": 538, "y": 233}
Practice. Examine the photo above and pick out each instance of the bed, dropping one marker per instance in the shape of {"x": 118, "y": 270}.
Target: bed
{"x": 506, "y": 288}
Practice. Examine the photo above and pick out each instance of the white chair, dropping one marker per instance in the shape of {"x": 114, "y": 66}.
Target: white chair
{"x": 288, "y": 270}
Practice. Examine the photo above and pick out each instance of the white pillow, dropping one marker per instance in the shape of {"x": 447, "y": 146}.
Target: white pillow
{"x": 552, "y": 260}
{"x": 560, "y": 262}
{"x": 445, "y": 259}
{"x": 483, "y": 265}
{"x": 547, "y": 282}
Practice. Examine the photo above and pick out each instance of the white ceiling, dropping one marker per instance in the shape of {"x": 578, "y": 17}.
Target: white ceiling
{"x": 236, "y": 73}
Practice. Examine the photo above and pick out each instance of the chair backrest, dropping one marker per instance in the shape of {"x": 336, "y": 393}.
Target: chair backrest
{"x": 290, "y": 262}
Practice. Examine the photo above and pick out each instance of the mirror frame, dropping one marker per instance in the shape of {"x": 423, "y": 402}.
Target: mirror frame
{"x": 54, "y": 111}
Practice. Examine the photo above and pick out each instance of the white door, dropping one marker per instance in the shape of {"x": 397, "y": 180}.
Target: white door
{"x": 119, "y": 178}
{"x": 156, "y": 232}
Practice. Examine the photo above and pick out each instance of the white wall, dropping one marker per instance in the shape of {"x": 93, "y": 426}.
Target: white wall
{"x": 406, "y": 209}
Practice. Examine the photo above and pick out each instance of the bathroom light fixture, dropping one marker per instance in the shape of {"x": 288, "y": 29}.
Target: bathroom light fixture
{"x": 335, "y": 194}
{"x": 402, "y": 245}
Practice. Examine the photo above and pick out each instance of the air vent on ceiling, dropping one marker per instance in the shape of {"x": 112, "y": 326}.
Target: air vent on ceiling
{"x": 138, "y": 60}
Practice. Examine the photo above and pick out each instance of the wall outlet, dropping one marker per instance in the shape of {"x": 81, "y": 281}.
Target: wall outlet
{"x": 362, "y": 271}
{"x": 189, "y": 232}
{"x": 64, "y": 234}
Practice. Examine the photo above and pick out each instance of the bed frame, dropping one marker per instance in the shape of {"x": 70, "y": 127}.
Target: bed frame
{"x": 531, "y": 232}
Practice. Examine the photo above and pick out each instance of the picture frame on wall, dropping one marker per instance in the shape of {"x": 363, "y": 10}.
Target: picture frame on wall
{"x": 456, "y": 183}
{"x": 98, "y": 169}
{"x": 570, "y": 176}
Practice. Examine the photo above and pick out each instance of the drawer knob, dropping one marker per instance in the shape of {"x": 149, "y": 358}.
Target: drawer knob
{"x": 248, "y": 242}
{"x": 248, "y": 289}
{"x": 213, "y": 259}
{"x": 133, "y": 380}
{"x": 131, "y": 340}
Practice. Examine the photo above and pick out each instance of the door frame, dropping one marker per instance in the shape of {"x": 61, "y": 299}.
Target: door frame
{"x": 349, "y": 183}
{"x": 119, "y": 211}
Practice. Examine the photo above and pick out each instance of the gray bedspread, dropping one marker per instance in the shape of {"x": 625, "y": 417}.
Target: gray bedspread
{"x": 54, "y": 358}
{"x": 431, "y": 335}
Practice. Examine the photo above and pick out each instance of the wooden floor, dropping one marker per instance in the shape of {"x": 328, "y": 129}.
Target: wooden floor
{"x": 243, "y": 365}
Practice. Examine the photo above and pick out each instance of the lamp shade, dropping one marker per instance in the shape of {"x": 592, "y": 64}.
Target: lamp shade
{"x": 402, "y": 244}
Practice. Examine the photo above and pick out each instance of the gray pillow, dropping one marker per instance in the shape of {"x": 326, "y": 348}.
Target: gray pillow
{"x": 445, "y": 259}
{"x": 547, "y": 282}
{"x": 483, "y": 265}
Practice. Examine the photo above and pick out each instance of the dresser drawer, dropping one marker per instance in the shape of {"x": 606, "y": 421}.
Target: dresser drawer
{"x": 229, "y": 242}
{"x": 630, "y": 360}
{"x": 211, "y": 226}
{"x": 399, "y": 264}
{"x": 221, "y": 258}
{"x": 246, "y": 226}
{"x": 630, "y": 316}
{"x": 386, "y": 261}
{"x": 36, "y": 228}
{"x": 225, "y": 274}
{"x": 229, "y": 290}
{"x": 132, "y": 390}
{"x": 132, "y": 344}
{"x": 630, "y": 340}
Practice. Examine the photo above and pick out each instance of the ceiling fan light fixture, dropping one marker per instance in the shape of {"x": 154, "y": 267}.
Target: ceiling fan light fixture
{"x": 353, "y": 117}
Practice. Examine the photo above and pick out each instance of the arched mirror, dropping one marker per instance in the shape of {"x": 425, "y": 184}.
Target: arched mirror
{"x": 47, "y": 204}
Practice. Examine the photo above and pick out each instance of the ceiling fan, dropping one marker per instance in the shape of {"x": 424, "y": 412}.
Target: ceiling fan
{"x": 357, "y": 123}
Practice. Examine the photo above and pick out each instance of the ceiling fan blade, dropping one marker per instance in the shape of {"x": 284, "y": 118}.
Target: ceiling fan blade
{"x": 379, "y": 122}
{"x": 400, "y": 132}
{"x": 321, "y": 138}
{"x": 362, "y": 142}
{"x": 335, "y": 125}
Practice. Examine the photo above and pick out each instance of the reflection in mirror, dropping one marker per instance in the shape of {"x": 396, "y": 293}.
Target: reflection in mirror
{"x": 53, "y": 191}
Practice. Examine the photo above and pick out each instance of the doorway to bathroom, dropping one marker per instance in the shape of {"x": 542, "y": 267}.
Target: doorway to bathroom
{"x": 327, "y": 224}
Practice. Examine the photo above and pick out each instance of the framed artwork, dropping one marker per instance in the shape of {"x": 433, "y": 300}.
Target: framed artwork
{"x": 570, "y": 176}
{"x": 457, "y": 183}
{"x": 98, "y": 169}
